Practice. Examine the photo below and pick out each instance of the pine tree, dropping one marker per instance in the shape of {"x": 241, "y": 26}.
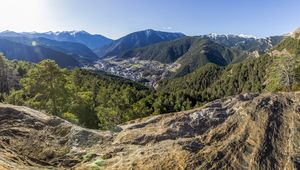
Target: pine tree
{"x": 45, "y": 84}
{"x": 4, "y": 86}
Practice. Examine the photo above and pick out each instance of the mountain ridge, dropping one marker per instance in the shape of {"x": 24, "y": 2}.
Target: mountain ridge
{"x": 35, "y": 54}
{"x": 79, "y": 51}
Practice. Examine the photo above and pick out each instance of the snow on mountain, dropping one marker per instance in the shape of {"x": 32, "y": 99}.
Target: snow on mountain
{"x": 215, "y": 35}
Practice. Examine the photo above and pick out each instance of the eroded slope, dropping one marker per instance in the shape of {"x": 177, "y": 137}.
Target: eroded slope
{"x": 248, "y": 131}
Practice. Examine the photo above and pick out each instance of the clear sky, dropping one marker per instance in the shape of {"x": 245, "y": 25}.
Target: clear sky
{"x": 115, "y": 18}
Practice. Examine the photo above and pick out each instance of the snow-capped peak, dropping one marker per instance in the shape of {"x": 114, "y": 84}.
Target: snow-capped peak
{"x": 247, "y": 36}
{"x": 215, "y": 35}
{"x": 72, "y": 33}
{"x": 77, "y": 32}
{"x": 148, "y": 32}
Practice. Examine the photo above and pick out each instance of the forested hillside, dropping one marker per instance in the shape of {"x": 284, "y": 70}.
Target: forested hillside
{"x": 212, "y": 81}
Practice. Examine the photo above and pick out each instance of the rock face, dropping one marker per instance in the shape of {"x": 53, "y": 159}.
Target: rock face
{"x": 296, "y": 33}
{"x": 248, "y": 131}
{"x": 33, "y": 140}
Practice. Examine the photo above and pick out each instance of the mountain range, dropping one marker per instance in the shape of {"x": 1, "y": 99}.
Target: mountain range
{"x": 189, "y": 52}
{"x": 83, "y": 37}
{"x": 79, "y": 51}
{"x": 22, "y": 52}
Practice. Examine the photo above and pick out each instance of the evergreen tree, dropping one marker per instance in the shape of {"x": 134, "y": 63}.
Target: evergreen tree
{"x": 4, "y": 86}
{"x": 45, "y": 86}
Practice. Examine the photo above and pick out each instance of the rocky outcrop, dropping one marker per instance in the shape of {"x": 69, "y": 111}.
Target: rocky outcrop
{"x": 248, "y": 131}
{"x": 33, "y": 140}
{"x": 296, "y": 33}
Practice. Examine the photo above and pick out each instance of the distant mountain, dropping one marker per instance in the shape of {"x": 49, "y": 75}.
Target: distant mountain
{"x": 189, "y": 52}
{"x": 136, "y": 40}
{"x": 246, "y": 42}
{"x": 8, "y": 33}
{"x": 83, "y": 37}
{"x": 18, "y": 51}
{"x": 165, "y": 52}
{"x": 79, "y": 51}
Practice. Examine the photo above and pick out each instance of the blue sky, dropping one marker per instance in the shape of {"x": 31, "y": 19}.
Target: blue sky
{"x": 115, "y": 18}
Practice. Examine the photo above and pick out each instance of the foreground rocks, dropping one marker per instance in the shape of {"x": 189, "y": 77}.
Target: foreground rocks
{"x": 244, "y": 132}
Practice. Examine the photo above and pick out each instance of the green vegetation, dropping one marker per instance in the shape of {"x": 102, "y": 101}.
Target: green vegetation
{"x": 212, "y": 82}
{"x": 10, "y": 74}
{"x": 292, "y": 45}
{"x": 96, "y": 165}
{"x": 88, "y": 156}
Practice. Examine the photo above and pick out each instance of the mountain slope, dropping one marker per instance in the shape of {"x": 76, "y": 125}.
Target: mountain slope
{"x": 212, "y": 82}
{"x": 51, "y": 141}
{"x": 243, "y": 132}
{"x": 83, "y": 37}
{"x": 13, "y": 50}
{"x": 79, "y": 51}
{"x": 164, "y": 52}
{"x": 206, "y": 51}
{"x": 136, "y": 40}
{"x": 190, "y": 52}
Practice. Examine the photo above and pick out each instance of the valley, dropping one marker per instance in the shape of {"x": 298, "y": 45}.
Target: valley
{"x": 144, "y": 71}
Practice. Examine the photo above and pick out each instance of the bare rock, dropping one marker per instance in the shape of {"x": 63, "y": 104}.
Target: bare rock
{"x": 249, "y": 131}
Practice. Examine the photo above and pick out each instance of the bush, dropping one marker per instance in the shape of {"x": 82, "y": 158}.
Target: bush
{"x": 70, "y": 117}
